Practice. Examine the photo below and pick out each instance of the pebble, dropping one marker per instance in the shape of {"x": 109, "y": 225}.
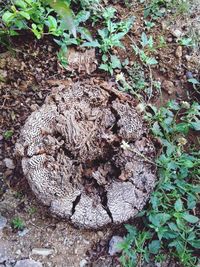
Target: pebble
{"x": 3, "y": 222}
{"x": 168, "y": 86}
{"x": 42, "y": 251}
{"x": 18, "y": 252}
{"x": 34, "y": 107}
{"x": 169, "y": 40}
{"x": 188, "y": 58}
{"x": 23, "y": 232}
{"x": 189, "y": 75}
{"x": 9, "y": 163}
{"x": 176, "y": 33}
{"x": 28, "y": 263}
{"x": 179, "y": 52}
{"x": 113, "y": 249}
{"x": 100, "y": 234}
{"x": 83, "y": 263}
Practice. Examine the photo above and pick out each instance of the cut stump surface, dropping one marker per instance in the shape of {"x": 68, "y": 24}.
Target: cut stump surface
{"x": 86, "y": 155}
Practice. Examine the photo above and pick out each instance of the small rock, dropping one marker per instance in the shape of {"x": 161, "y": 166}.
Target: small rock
{"x": 23, "y": 232}
{"x": 3, "y": 222}
{"x": 100, "y": 234}
{"x": 113, "y": 249}
{"x": 34, "y": 107}
{"x": 179, "y": 52}
{"x": 18, "y": 252}
{"x": 168, "y": 86}
{"x": 188, "y": 58}
{"x": 176, "y": 33}
{"x": 28, "y": 263}
{"x": 83, "y": 263}
{"x": 169, "y": 40}
{"x": 189, "y": 75}
{"x": 9, "y": 163}
{"x": 42, "y": 251}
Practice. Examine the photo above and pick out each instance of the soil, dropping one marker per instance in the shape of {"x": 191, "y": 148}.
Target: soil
{"x": 29, "y": 70}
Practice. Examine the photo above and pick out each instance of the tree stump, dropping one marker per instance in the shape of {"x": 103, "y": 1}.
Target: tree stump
{"x": 87, "y": 155}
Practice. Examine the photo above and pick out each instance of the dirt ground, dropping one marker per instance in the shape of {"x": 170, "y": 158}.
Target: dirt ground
{"x": 30, "y": 70}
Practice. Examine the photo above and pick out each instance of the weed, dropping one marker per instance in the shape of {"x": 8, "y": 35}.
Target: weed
{"x": 17, "y": 223}
{"x": 186, "y": 42}
{"x": 32, "y": 210}
{"x": 147, "y": 45}
{"x": 110, "y": 37}
{"x": 8, "y": 134}
{"x": 156, "y": 9}
{"x": 39, "y": 17}
{"x": 170, "y": 221}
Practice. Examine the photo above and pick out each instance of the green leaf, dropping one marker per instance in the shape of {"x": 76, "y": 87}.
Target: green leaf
{"x": 191, "y": 202}
{"x": 7, "y": 17}
{"x": 195, "y": 243}
{"x": 85, "y": 33}
{"x": 190, "y": 218}
{"x": 147, "y": 12}
{"x": 131, "y": 230}
{"x": 94, "y": 43}
{"x": 8, "y": 134}
{"x": 178, "y": 244}
{"x": 195, "y": 125}
{"x": 109, "y": 13}
{"x": 21, "y": 4}
{"x": 159, "y": 219}
{"x": 144, "y": 39}
{"x": 82, "y": 16}
{"x": 51, "y": 23}
{"x": 25, "y": 15}
{"x": 173, "y": 226}
{"x": 182, "y": 127}
{"x": 38, "y": 32}
{"x": 193, "y": 81}
{"x": 178, "y": 205}
{"x": 151, "y": 61}
{"x": 156, "y": 129}
{"x": 104, "y": 67}
{"x": 104, "y": 58}
{"x": 63, "y": 9}
{"x": 154, "y": 246}
{"x": 115, "y": 62}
